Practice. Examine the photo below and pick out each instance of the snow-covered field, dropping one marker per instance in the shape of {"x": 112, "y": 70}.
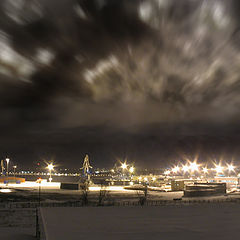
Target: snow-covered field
{"x": 17, "y": 224}
{"x": 17, "y": 233}
{"x": 173, "y": 219}
{"x": 32, "y": 185}
{"x": 213, "y": 222}
{"x": 52, "y": 191}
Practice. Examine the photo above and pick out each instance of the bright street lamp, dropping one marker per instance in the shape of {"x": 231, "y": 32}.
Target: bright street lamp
{"x": 50, "y": 168}
{"x": 124, "y": 166}
{"x": 194, "y": 166}
{"x": 205, "y": 170}
{"x": 131, "y": 169}
{"x": 7, "y": 160}
{"x": 219, "y": 169}
{"x": 14, "y": 170}
{"x": 231, "y": 168}
{"x": 185, "y": 168}
{"x": 167, "y": 172}
{"x": 175, "y": 169}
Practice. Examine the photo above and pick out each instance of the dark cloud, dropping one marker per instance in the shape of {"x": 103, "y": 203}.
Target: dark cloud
{"x": 93, "y": 75}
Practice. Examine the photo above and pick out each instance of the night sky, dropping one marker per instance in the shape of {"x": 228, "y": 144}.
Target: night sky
{"x": 152, "y": 81}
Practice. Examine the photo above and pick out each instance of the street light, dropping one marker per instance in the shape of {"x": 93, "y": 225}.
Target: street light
{"x": 185, "y": 168}
{"x": 231, "y": 168}
{"x": 131, "y": 170}
{"x": 124, "y": 166}
{"x": 7, "y": 160}
{"x": 14, "y": 169}
{"x": 50, "y": 168}
{"x": 176, "y": 169}
{"x": 194, "y": 166}
{"x": 205, "y": 170}
{"x": 2, "y": 166}
{"x": 219, "y": 169}
{"x": 167, "y": 172}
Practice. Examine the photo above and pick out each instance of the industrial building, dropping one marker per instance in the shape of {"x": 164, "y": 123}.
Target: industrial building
{"x": 204, "y": 189}
{"x": 6, "y": 179}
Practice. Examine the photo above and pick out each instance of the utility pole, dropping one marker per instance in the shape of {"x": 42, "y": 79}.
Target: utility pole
{"x": 2, "y": 166}
{"x": 14, "y": 170}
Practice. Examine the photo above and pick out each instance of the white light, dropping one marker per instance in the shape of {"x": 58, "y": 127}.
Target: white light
{"x": 194, "y": 166}
{"x": 7, "y": 160}
{"x": 124, "y": 166}
{"x": 205, "y": 170}
{"x": 50, "y": 166}
{"x": 231, "y": 168}
{"x": 175, "y": 169}
{"x": 167, "y": 172}
{"x": 131, "y": 170}
{"x": 219, "y": 168}
{"x": 6, "y": 190}
{"x": 185, "y": 168}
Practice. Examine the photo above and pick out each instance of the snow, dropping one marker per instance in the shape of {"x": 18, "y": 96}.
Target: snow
{"x": 30, "y": 184}
{"x": 209, "y": 221}
{"x": 17, "y": 224}
{"x": 17, "y": 233}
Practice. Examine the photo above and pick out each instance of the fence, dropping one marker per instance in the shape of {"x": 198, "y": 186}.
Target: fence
{"x": 20, "y": 205}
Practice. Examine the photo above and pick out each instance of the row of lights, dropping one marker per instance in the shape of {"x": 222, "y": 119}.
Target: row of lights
{"x": 194, "y": 167}
{"x": 146, "y": 179}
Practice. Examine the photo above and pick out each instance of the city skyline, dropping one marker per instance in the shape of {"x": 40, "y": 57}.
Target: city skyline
{"x": 144, "y": 80}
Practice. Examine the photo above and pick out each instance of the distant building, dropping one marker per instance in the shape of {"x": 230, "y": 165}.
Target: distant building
{"x": 5, "y": 179}
{"x": 231, "y": 182}
{"x": 204, "y": 189}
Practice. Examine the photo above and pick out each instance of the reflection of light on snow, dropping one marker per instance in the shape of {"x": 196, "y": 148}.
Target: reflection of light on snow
{"x": 5, "y": 190}
{"x": 116, "y": 188}
{"x": 44, "y": 185}
{"x": 94, "y": 188}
